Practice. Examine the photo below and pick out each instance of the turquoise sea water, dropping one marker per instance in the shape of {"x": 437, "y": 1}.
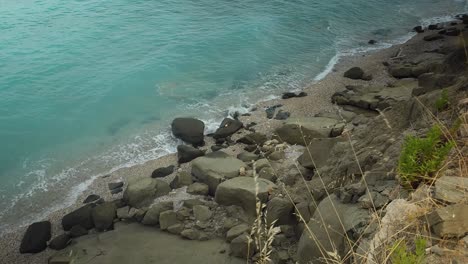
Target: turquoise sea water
{"x": 90, "y": 86}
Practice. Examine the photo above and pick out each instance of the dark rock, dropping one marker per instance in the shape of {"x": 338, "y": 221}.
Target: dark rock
{"x": 103, "y": 216}
{"x": 452, "y": 32}
{"x": 250, "y": 148}
{"x": 372, "y": 41}
{"x": 116, "y": 191}
{"x": 253, "y": 139}
{"x": 216, "y": 148}
{"x": 162, "y": 172}
{"x": 92, "y": 198}
{"x": 189, "y": 130}
{"x": 301, "y": 94}
{"x": 434, "y": 27}
{"x": 354, "y": 73}
{"x": 36, "y": 237}
{"x": 401, "y": 71}
{"x": 433, "y": 37}
{"x": 418, "y": 29}
{"x": 77, "y": 231}
{"x": 60, "y": 242}
{"x": 115, "y": 185}
{"x": 81, "y": 216}
{"x": 227, "y": 128}
{"x": 288, "y": 95}
{"x": 280, "y": 210}
{"x": 282, "y": 115}
{"x": 429, "y": 82}
{"x": 188, "y": 153}
{"x": 270, "y": 111}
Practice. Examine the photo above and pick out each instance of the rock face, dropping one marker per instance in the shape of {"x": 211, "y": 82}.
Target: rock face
{"x": 319, "y": 149}
{"x": 153, "y": 213}
{"x": 162, "y": 172}
{"x": 451, "y": 189}
{"x": 329, "y": 232}
{"x": 301, "y": 131}
{"x": 60, "y": 242}
{"x": 143, "y": 191}
{"x": 36, "y": 237}
{"x": 216, "y": 167}
{"x": 103, "y": 215}
{"x": 227, "y": 128}
{"x": 450, "y": 221}
{"x": 187, "y": 153}
{"x": 81, "y": 216}
{"x": 241, "y": 191}
{"x": 429, "y": 82}
{"x": 189, "y": 130}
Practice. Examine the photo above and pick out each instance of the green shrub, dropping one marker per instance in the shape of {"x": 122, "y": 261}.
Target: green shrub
{"x": 401, "y": 254}
{"x": 422, "y": 157}
{"x": 442, "y": 102}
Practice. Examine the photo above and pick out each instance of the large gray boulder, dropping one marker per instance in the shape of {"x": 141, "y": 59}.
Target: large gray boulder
{"x": 328, "y": 227}
{"x": 216, "y": 167}
{"x": 80, "y": 216}
{"x": 189, "y": 130}
{"x": 317, "y": 152}
{"x": 36, "y": 237}
{"x": 280, "y": 210}
{"x": 241, "y": 191}
{"x": 301, "y": 131}
{"x": 152, "y": 215}
{"x": 103, "y": 215}
{"x": 181, "y": 179}
{"x": 141, "y": 192}
{"x": 451, "y": 189}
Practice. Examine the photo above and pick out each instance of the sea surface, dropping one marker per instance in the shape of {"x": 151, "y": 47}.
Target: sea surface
{"x": 90, "y": 86}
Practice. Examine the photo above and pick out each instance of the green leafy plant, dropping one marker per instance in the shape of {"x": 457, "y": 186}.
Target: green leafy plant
{"x": 442, "y": 102}
{"x": 422, "y": 157}
{"x": 402, "y": 255}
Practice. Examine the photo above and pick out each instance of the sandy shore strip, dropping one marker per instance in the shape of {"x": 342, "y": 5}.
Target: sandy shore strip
{"x": 318, "y": 100}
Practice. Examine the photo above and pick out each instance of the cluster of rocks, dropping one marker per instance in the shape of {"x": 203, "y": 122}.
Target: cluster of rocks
{"x": 314, "y": 192}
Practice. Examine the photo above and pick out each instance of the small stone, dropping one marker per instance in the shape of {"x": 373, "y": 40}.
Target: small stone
{"x": 60, "y": 260}
{"x": 192, "y": 202}
{"x": 242, "y": 171}
{"x": 163, "y": 172}
{"x": 241, "y": 247}
{"x": 116, "y": 190}
{"x": 450, "y": 221}
{"x": 123, "y": 213}
{"x": 277, "y": 155}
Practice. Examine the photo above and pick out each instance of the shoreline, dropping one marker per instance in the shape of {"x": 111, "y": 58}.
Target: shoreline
{"x": 317, "y": 101}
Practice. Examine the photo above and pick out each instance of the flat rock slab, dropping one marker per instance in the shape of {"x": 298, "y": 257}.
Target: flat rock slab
{"x": 241, "y": 191}
{"x": 452, "y": 189}
{"x": 135, "y": 243}
{"x": 302, "y": 130}
{"x": 142, "y": 191}
{"x": 318, "y": 152}
{"x": 216, "y": 167}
